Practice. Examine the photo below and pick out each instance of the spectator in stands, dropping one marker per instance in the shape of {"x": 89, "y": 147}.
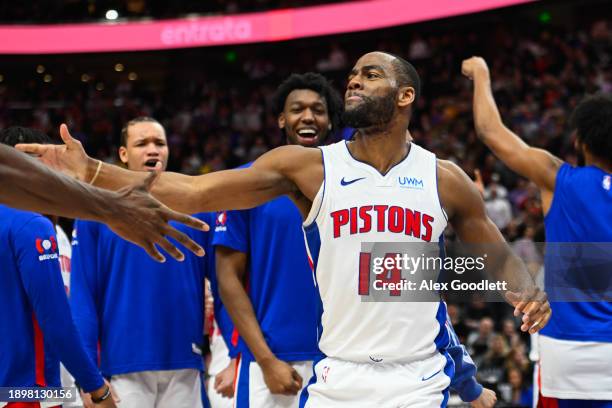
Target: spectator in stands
{"x": 478, "y": 342}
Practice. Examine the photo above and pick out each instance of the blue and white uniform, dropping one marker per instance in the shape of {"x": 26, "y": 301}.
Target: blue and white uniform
{"x": 36, "y": 328}
{"x": 576, "y": 346}
{"x": 281, "y": 289}
{"x": 375, "y": 353}
{"x": 146, "y": 316}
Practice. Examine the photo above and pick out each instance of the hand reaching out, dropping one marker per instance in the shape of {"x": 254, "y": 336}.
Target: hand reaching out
{"x": 138, "y": 217}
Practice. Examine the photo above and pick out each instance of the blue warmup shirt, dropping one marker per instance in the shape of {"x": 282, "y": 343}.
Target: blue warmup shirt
{"x": 36, "y": 328}
{"x": 279, "y": 279}
{"x": 581, "y": 212}
{"x": 145, "y": 315}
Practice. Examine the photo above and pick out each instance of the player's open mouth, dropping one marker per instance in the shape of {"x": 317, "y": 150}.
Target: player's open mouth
{"x": 307, "y": 135}
{"x": 150, "y": 164}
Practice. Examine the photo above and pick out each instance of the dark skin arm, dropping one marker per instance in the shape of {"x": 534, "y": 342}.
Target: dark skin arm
{"x": 537, "y": 165}
{"x": 131, "y": 212}
{"x": 28, "y": 185}
{"x": 231, "y": 266}
{"x": 465, "y": 209}
{"x": 283, "y": 170}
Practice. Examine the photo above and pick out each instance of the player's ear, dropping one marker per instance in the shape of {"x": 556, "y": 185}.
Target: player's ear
{"x": 405, "y": 96}
{"x": 281, "y": 120}
{"x": 123, "y": 156}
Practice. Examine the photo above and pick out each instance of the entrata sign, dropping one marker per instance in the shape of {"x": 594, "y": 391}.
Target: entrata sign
{"x": 278, "y": 25}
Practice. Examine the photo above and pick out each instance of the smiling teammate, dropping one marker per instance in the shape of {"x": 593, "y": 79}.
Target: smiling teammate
{"x": 276, "y": 315}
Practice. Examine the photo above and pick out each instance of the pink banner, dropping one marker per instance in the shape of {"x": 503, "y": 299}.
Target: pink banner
{"x": 275, "y": 25}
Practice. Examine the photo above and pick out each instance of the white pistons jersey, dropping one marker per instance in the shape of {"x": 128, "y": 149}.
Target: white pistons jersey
{"x": 357, "y": 204}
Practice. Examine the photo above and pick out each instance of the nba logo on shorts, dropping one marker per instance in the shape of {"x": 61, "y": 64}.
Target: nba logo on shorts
{"x": 325, "y": 373}
{"x": 220, "y": 222}
{"x": 606, "y": 182}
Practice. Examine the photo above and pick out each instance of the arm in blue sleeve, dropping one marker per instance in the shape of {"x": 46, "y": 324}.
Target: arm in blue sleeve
{"x": 83, "y": 285}
{"x": 464, "y": 380}
{"x": 37, "y": 257}
{"x": 232, "y": 230}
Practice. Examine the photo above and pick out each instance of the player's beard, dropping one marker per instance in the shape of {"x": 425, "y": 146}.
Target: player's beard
{"x": 371, "y": 112}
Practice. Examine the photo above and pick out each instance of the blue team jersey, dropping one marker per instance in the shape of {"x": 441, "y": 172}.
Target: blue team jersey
{"x": 144, "y": 314}
{"x": 581, "y": 212}
{"x": 36, "y": 328}
{"x": 279, "y": 279}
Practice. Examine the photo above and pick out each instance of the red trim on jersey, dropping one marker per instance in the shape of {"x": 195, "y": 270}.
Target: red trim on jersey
{"x": 26, "y": 405}
{"x": 39, "y": 354}
{"x": 236, "y": 378}
{"x": 211, "y": 324}
{"x": 235, "y": 337}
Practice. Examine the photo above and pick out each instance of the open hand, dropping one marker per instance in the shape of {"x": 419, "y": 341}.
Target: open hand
{"x": 69, "y": 158}
{"x": 141, "y": 219}
{"x": 533, "y": 304}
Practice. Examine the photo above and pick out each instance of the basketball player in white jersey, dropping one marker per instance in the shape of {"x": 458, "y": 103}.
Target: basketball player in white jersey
{"x": 387, "y": 354}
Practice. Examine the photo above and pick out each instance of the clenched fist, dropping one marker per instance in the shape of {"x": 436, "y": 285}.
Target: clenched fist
{"x": 474, "y": 67}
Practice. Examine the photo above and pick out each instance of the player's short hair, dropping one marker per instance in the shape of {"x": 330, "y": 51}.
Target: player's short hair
{"x": 124, "y": 130}
{"x": 315, "y": 82}
{"x": 592, "y": 120}
{"x": 17, "y": 134}
{"x": 406, "y": 74}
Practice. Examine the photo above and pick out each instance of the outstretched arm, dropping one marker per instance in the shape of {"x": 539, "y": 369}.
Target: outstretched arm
{"x": 28, "y": 185}
{"x": 468, "y": 217}
{"x": 276, "y": 173}
{"x": 538, "y": 165}
{"x": 131, "y": 213}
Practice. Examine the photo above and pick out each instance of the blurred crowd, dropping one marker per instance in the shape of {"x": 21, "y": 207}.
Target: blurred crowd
{"x": 54, "y": 12}
{"x": 218, "y": 122}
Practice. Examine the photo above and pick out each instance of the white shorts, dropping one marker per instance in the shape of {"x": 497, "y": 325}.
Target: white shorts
{"x": 219, "y": 358}
{"x": 159, "y": 389}
{"x": 575, "y": 369}
{"x": 252, "y": 391}
{"x": 219, "y": 361}
{"x": 343, "y": 384}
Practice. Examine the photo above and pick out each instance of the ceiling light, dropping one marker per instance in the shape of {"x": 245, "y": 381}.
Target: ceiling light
{"x": 112, "y": 15}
